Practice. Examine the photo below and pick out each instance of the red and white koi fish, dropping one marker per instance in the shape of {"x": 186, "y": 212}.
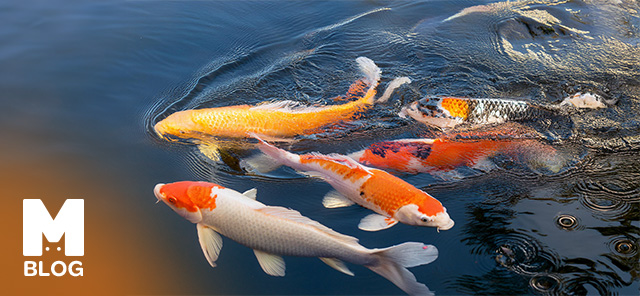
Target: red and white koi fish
{"x": 393, "y": 199}
{"x": 273, "y": 232}
{"x": 447, "y": 112}
{"x": 429, "y": 155}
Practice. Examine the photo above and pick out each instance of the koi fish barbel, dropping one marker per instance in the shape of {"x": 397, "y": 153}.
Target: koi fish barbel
{"x": 393, "y": 199}
{"x": 273, "y": 232}
{"x": 447, "y": 112}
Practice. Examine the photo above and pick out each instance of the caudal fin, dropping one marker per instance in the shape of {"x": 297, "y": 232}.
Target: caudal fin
{"x": 586, "y": 101}
{"x": 370, "y": 70}
{"x": 372, "y": 77}
{"x": 393, "y": 262}
{"x": 273, "y": 158}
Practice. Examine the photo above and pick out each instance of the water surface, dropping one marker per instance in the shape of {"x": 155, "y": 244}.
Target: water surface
{"x": 83, "y": 83}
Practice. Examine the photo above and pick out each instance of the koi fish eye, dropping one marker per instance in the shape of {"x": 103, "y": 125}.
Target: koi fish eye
{"x": 172, "y": 199}
{"x": 424, "y": 218}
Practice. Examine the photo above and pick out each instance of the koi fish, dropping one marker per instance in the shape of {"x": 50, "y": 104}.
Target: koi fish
{"x": 447, "y": 112}
{"x": 281, "y": 119}
{"x": 393, "y": 199}
{"x": 428, "y": 155}
{"x": 273, "y": 232}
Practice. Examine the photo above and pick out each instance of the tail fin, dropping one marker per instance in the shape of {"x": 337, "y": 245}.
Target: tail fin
{"x": 259, "y": 164}
{"x": 370, "y": 70}
{"x": 585, "y": 101}
{"x": 372, "y": 73}
{"x": 278, "y": 156}
{"x": 392, "y": 264}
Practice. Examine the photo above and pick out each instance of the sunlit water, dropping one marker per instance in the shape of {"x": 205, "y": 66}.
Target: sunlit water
{"x": 88, "y": 81}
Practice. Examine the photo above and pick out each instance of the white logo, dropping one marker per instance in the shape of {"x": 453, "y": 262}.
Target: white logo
{"x": 37, "y": 221}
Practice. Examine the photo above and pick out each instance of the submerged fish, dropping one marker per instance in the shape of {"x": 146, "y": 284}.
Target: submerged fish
{"x": 429, "y": 155}
{"x": 447, "y": 112}
{"x": 393, "y": 199}
{"x": 273, "y": 232}
{"x": 281, "y": 119}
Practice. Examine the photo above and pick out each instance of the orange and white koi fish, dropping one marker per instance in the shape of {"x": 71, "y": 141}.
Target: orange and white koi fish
{"x": 283, "y": 119}
{"x": 393, "y": 199}
{"x": 429, "y": 155}
{"x": 447, "y": 112}
{"x": 273, "y": 232}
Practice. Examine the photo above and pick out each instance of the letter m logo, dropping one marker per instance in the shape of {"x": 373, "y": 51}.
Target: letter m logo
{"x": 37, "y": 221}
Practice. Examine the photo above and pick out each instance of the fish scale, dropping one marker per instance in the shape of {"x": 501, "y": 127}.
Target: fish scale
{"x": 276, "y": 231}
{"x": 295, "y": 239}
{"x": 490, "y": 110}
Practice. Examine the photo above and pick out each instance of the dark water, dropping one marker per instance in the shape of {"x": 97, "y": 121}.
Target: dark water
{"x": 82, "y": 84}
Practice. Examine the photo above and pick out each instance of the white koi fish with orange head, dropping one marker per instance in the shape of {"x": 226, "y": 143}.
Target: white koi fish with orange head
{"x": 393, "y": 199}
{"x": 273, "y": 232}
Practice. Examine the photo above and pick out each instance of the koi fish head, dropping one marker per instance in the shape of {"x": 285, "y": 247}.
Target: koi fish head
{"x": 413, "y": 214}
{"x": 438, "y": 111}
{"x": 187, "y": 198}
{"x": 179, "y": 124}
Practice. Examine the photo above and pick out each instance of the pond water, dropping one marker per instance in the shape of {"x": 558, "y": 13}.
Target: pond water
{"x": 83, "y": 84}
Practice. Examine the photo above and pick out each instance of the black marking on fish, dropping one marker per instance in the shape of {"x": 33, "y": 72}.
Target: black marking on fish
{"x": 421, "y": 151}
{"x": 418, "y": 150}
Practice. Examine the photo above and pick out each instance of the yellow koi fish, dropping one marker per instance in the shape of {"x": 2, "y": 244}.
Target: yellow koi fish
{"x": 283, "y": 119}
{"x": 273, "y": 232}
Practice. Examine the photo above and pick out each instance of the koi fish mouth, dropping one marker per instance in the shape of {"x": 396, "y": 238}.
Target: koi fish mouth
{"x": 156, "y": 192}
{"x": 446, "y": 226}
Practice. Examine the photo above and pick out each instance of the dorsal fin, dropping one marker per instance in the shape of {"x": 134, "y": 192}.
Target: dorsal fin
{"x": 286, "y": 106}
{"x": 251, "y": 193}
{"x": 339, "y": 158}
{"x": 295, "y": 216}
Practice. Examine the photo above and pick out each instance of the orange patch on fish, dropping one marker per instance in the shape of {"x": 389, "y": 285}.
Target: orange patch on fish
{"x": 441, "y": 154}
{"x": 357, "y": 90}
{"x": 390, "y": 193}
{"x": 190, "y": 195}
{"x": 394, "y": 155}
{"x": 456, "y": 107}
{"x": 348, "y": 172}
{"x": 452, "y": 154}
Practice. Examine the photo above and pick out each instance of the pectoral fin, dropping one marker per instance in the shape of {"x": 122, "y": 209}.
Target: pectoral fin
{"x": 210, "y": 242}
{"x": 271, "y": 264}
{"x": 211, "y": 150}
{"x": 375, "y": 222}
{"x": 337, "y": 265}
{"x": 334, "y": 199}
